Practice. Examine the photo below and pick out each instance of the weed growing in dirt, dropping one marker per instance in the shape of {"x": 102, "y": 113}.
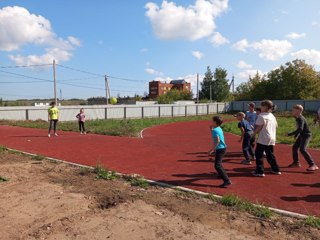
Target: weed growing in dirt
{"x": 85, "y": 171}
{"x": 312, "y": 222}
{"x": 137, "y": 181}
{"x": 3, "y": 149}
{"x": 38, "y": 158}
{"x": 104, "y": 174}
{"x": 243, "y": 205}
{"x": 3, "y": 179}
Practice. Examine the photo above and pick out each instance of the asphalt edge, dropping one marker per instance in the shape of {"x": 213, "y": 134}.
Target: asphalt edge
{"x": 165, "y": 185}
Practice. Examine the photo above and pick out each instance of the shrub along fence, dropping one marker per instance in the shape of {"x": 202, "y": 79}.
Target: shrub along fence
{"x": 282, "y": 105}
{"x": 68, "y": 113}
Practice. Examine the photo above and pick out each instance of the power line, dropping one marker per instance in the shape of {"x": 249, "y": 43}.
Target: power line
{"x": 27, "y": 66}
{"x": 82, "y": 71}
{"x": 25, "y": 76}
{"x": 101, "y": 75}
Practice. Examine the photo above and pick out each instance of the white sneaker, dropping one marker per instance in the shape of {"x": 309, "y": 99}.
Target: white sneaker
{"x": 56, "y": 135}
{"x": 49, "y": 135}
{"x": 84, "y": 133}
{"x": 81, "y": 133}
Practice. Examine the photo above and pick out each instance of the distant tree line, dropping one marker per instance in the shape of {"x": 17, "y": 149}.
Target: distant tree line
{"x": 293, "y": 80}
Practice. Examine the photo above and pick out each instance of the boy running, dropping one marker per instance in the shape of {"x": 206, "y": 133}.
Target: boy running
{"x": 303, "y": 136}
{"x": 220, "y": 148}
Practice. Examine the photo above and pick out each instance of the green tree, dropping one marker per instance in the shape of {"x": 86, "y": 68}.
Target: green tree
{"x": 205, "y": 84}
{"x": 254, "y": 89}
{"x": 220, "y": 85}
{"x": 294, "y": 80}
{"x": 174, "y": 95}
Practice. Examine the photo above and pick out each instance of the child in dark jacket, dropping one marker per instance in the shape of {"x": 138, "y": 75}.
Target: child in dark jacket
{"x": 303, "y": 136}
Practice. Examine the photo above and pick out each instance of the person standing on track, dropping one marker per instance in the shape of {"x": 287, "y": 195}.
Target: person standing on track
{"x": 302, "y": 135}
{"x": 246, "y": 132}
{"x": 266, "y": 126}
{"x": 53, "y": 118}
{"x": 219, "y": 148}
{"x": 81, "y": 119}
{"x": 251, "y": 115}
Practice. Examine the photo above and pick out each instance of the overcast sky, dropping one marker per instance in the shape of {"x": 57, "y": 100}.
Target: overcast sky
{"x": 138, "y": 41}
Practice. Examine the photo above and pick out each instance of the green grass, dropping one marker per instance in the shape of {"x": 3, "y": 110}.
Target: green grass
{"x": 312, "y": 222}
{"x": 243, "y": 205}
{"x": 137, "y": 181}
{"x": 130, "y": 127}
{"x": 38, "y": 158}
{"x": 3, "y": 179}
{"x": 285, "y": 124}
{"x": 3, "y": 149}
{"x": 104, "y": 174}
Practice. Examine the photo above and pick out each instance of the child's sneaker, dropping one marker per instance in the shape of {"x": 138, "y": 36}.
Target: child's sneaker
{"x": 312, "y": 168}
{"x": 49, "y": 135}
{"x": 246, "y": 162}
{"x": 81, "y": 133}
{"x": 225, "y": 184}
{"x": 56, "y": 134}
{"x": 258, "y": 174}
{"x": 84, "y": 133}
{"x": 276, "y": 173}
{"x": 294, "y": 165}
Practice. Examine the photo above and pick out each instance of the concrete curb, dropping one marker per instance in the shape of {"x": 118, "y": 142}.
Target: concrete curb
{"x": 165, "y": 185}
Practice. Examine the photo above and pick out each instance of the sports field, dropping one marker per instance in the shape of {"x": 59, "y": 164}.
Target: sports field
{"x": 176, "y": 153}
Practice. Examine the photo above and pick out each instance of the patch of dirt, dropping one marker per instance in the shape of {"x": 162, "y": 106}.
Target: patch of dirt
{"x": 49, "y": 200}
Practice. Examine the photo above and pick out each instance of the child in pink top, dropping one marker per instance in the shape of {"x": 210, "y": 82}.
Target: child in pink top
{"x": 81, "y": 118}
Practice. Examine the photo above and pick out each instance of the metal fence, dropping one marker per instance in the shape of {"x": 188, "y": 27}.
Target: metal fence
{"x": 282, "y": 105}
{"x": 68, "y": 113}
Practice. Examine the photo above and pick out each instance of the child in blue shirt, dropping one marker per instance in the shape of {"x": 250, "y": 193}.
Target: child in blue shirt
{"x": 219, "y": 148}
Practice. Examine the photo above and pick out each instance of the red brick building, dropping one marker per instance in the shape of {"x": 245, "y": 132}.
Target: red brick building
{"x": 157, "y": 88}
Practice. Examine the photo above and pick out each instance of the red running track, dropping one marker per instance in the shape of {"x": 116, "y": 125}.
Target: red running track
{"x": 177, "y": 154}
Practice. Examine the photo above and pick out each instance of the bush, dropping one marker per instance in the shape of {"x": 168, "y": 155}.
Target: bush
{"x": 174, "y": 95}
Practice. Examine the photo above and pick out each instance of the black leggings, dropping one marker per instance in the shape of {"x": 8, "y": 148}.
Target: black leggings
{"x": 54, "y": 123}
{"x": 81, "y": 126}
{"x": 218, "y": 165}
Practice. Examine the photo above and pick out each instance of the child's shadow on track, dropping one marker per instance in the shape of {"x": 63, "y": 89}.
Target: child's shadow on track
{"x": 314, "y": 185}
{"x": 308, "y": 198}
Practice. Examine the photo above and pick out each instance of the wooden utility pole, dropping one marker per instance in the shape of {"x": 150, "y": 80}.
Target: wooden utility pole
{"x": 197, "y": 87}
{"x": 55, "y": 82}
{"x": 106, "y": 86}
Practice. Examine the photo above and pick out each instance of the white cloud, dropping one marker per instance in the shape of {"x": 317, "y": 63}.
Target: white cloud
{"x": 294, "y": 35}
{"x": 163, "y": 79}
{"x": 170, "y": 21}
{"x": 272, "y": 49}
{"x": 197, "y": 54}
{"x": 243, "y": 65}
{"x": 241, "y": 45}
{"x": 144, "y": 50}
{"x": 152, "y": 71}
{"x": 19, "y": 28}
{"x": 248, "y": 73}
{"x": 269, "y": 49}
{"x": 74, "y": 41}
{"x": 217, "y": 39}
{"x": 311, "y": 56}
{"x": 284, "y": 12}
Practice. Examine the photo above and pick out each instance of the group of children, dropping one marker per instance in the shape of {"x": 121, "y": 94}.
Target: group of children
{"x": 53, "y": 118}
{"x": 261, "y": 122}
